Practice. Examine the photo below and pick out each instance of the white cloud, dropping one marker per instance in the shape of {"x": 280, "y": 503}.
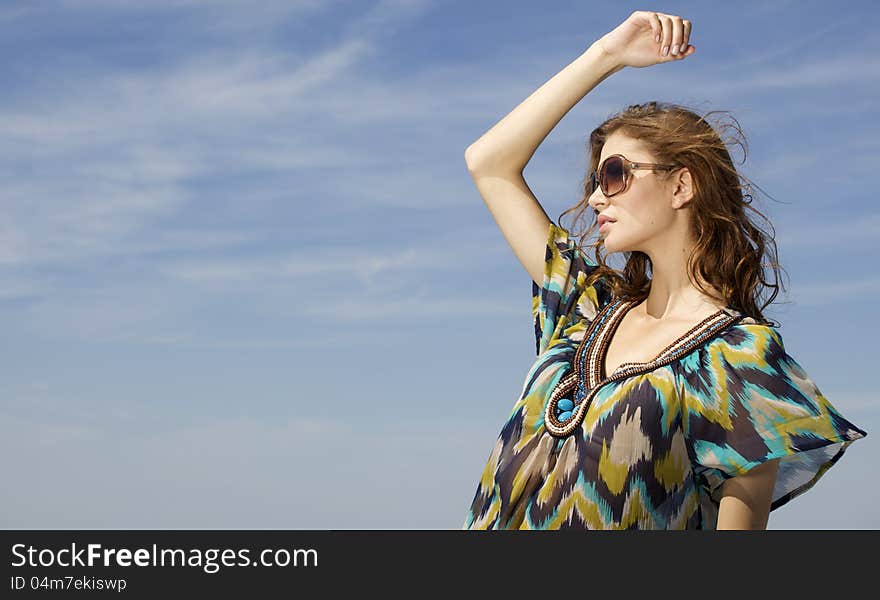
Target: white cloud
{"x": 862, "y": 231}
{"x": 293, "y": 471}
{"x": 829, "y": 291}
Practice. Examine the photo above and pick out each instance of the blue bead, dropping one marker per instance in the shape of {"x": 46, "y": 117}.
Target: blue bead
{"x": 564, "y": 416}
{"x": 565, "y": 404}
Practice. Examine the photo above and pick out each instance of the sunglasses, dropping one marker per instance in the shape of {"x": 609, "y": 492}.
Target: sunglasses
{"x": 614, "y": 174}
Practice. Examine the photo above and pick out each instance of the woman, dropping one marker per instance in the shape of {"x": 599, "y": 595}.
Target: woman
{"x": 666, "y": 402}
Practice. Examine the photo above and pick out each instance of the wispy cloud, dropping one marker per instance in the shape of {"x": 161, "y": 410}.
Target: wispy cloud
{"x": 120, "y": 149}
{"x": 829, "y": 291}
{"x": 238, "y": 195}
{"x": 266, "y": 473}
{"x": 857, "y": 233}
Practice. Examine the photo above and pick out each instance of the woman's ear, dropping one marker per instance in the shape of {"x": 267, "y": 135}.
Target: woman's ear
{"x": 682, "y": 185}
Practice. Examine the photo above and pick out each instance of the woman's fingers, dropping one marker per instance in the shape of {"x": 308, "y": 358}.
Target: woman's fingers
{"x": 666, "y": 35}
{"x": 686, "y": 36}
{"x": 656, "y": 27}
{"x": 677, "y": 34}
{"x": 674, "y": 35}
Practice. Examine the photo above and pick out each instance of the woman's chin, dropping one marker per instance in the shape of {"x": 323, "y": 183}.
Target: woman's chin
{"x": 612, "y": 247}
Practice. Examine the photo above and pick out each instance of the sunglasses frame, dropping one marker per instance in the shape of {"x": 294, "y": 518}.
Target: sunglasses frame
{"x": 628, "y": 166}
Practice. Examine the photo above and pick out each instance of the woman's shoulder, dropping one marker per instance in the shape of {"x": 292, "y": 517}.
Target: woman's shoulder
{"x": 744, "y": 340}
{"x": 745, "y": 325}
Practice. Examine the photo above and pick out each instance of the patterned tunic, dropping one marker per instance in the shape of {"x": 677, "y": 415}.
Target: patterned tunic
{"x": 648, "y": 446}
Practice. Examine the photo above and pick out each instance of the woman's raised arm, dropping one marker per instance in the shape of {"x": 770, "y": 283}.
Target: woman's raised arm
{"x": 497, "y": 159}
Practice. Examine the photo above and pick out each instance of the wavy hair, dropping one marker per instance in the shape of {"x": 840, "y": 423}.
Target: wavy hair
{"x": 730, "y": 249}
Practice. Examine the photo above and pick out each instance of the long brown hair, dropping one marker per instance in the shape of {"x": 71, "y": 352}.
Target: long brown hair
{"x": 730, "y": 248}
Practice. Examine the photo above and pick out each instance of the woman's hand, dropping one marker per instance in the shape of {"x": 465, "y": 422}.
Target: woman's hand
{"x": 640, "y": 41}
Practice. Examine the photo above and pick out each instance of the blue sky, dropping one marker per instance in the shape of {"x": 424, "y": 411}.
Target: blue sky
{"x": 247, "y": 281}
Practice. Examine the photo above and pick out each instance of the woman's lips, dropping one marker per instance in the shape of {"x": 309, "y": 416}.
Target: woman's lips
{"x": 604, "y": 226}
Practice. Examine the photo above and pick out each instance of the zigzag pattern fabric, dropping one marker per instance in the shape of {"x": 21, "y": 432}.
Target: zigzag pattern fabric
{"x": 649, "y": 445}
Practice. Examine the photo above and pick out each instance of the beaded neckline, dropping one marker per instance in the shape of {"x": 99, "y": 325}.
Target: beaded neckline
{"x": 573, "y": 393}
{"x": 617, "y": 319}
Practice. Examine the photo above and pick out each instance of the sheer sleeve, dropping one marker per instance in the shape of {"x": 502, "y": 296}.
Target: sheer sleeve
{"x": 564, "y": 299}
{"x": 746, "y": 401}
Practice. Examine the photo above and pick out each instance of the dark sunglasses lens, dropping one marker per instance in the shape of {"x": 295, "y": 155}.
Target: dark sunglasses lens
{"x": 612, "y": 175}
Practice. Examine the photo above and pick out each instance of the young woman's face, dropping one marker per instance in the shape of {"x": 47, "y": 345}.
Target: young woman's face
{"x": 642, "y": 211}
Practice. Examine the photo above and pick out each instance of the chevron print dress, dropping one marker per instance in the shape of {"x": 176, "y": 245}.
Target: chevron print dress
{"x": 649, "y": 445}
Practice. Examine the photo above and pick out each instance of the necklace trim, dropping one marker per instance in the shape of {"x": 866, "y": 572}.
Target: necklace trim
{"x": 573, "y": 393}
